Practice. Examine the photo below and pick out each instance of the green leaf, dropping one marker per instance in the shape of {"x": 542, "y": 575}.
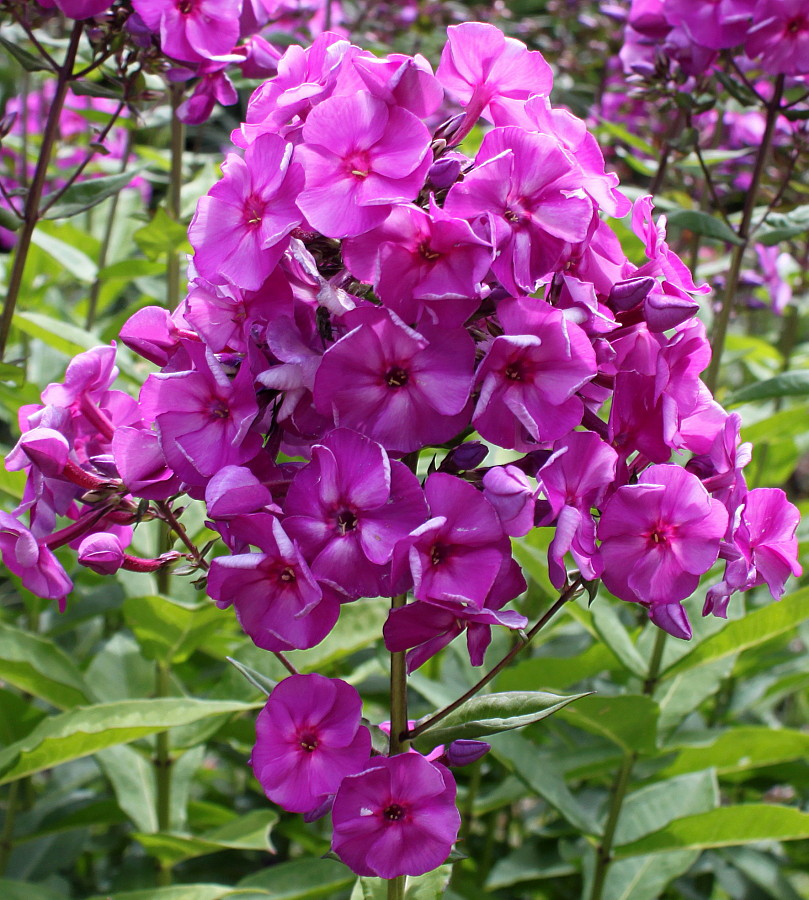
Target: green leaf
{"x": 788, "y": 384}
{"x": 246, "y": 832}
{"x": 682, "y": 694}
{"x": 162, "y": 236}
{"x": 740, "y": 749}
{"x": 18, "y": 716}
{"x": 62, "y": 336}
{"x": 727, "y": 826}
{"x": 84, "y": 195}
{"x": 557, "y": 673}
{"x": 646, "y": 877}
{"x": 611, "y": 630}
{"x": 543, "y": 776}
{"x": 431, "y": 886}
{"x": 167, "y": 629}
{"x": 655, "y": 805}
{"x": 302, "y": 880}
{"x": 703, "y": 223}
{"x": 69, "y": 257}
{"x": 87, "y": 730}
{"x": 187, "y": 892}
{"x": 12, "y": 483}
{"x": 36, "y": 665}
{"x": 262, "y": 682}
{"x": 756, "y": 628}
{"x": 358, "y": 627}
{"x": 528, "y": 863}
{"x": 492, "y": 713}
{"x": 27, "y": 60}
{"x": 627, "y": 720}
{"x": 764, "y": 870}
{"x": 782, "y": 226}
{"x": 24, "y": 890}
{"x": 133, "y": 780}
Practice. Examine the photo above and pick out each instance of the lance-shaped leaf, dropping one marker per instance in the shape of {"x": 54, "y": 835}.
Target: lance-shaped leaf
{"x": 86, "y": 730}
{"x": 724, "y": 827}
{"x": 493, "y": 713}
{"x": 788, "y": 384}
{"x": 84, "y": 195}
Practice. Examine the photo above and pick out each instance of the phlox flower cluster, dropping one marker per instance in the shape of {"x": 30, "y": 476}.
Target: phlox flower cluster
{"x": 774, "y": 34}
{"x": 362, "y": 290}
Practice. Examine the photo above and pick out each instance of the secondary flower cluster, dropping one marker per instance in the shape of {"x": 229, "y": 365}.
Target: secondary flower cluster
{"x": 363, "y": 289}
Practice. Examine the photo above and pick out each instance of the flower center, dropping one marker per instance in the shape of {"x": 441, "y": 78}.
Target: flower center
{"x": 437, "y": 554}
{"x": 186, "y": 6}
{"x": 358, "y": 165}
{"x": 219, "y": 410}
{"x": 308, "y": 742}
{"x": 394, "y": 812}
{"x": 288, "y": 575}
{"x": 797, "y": 24}
{"x": 253, "y": 211}
{"x": 396, "y": 377}
{"x": 427, "y": 252}
{"x": 346, "y": 521}
{"x": 513, "y": 372}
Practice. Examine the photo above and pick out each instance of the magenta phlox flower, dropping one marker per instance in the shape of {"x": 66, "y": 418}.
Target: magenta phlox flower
{"x": 767, "y": 549}
{"x": 405, "y": 389}
{"x": 141, "y": 464}
{"x": 225, "y": 316}
{"x": 234, "y": 491}
{"x": 203, "y": 416}
{"x": 662, "y": 259}
{"x": 348, "y": 508}
{"x": 277, "y": 600}
{"x": 32, "y": 561}
{"x": 526, "y": 194}
{"x": 780, "y": 37}
{"x": 214, "y": 86}
{"x": 260, "y": 57}
{"x": 325, "y": 292}
{"x": 641, "y": 419}
{"x": 574, "y": 481}
{"x": 418, "y": 260}
{"x": 657, "y": 537}
{"x": 510, "y": 492}
{"x": 772, "y": 265}
{"x": 240, "y": 228}
{"x": 458, "y": 553}
{"x": 720, "y": 469}
{"x": 305, "y": 78}
{"x": 81, "y": 9}
{"x": 572, "y": 132}
{"x": 308, "y": 739}
{"x": 398, "y": 817}
{"x": 717, "y": 24}
{"x": 404, "y": 81}
{"x": 361, "y": 157}
{"x": 156, "y": 334}
{"x": 294, "y": 376}
{"x": 192, "y": 30}
{"x": 490, "y": 74}
{"x": 425, "y": 627}
{"x": 530, "y": 375}
{"x": 599, "y": 260}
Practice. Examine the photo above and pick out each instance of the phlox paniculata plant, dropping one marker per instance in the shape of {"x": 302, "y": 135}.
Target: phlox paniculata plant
{"x": 364, "y": 290}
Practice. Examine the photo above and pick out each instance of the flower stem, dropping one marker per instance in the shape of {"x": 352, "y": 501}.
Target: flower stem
{"x": 398, "y": 726}
{"x": 174, "y": 196}
{"x": 32, "y": 200}
{"x": 569, "y": 594}
{"x": 721, "y": 324}
{"x": 623, "y": 779}
{"x": 163, "y": 763}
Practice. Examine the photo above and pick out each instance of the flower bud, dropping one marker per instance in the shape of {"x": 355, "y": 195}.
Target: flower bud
{"x": 463, "y": 753}
{"x": 101, "y": 552}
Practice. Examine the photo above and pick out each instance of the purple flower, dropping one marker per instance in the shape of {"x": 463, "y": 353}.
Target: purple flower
{"x": 308, "y": 739}
{"x": 361, "y": 157}
{"x": 239, "y": 229}
{"x": 780, "y": 36}
{"x": 398, "y": 817}
{"x": 192, "y": 30}
{"x": 510, "y": 493}
{"x": 716, "y": 24}
{"x": 528, "y": 192}
{"x": 102, "y": 552}
{"x": 40, "y": 571}
{"x": 277, "y": 600}
{"x": 530, "y": 375}
{"x": 348, "y": 508}
{"x": 403, "y": 388}
{"x": 657, "y": 537}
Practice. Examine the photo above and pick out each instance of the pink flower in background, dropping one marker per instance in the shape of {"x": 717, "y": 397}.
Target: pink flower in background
{"x": 308, "y": 739}
{"x": 780, "y": 36}
{"x": 398, "y": 817}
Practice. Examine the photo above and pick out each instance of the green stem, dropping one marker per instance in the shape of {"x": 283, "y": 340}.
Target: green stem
{"x": 398, "y": 726}
{"x": 32, "y": 200}
{"x": 720, "y": 327}
{"x": 163, "y": 763}
{"x": 569, "y": 594}
{"x": 174, "y": 196}
{"x": 6, "y": 843}
{"x": 623, "y": 779}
